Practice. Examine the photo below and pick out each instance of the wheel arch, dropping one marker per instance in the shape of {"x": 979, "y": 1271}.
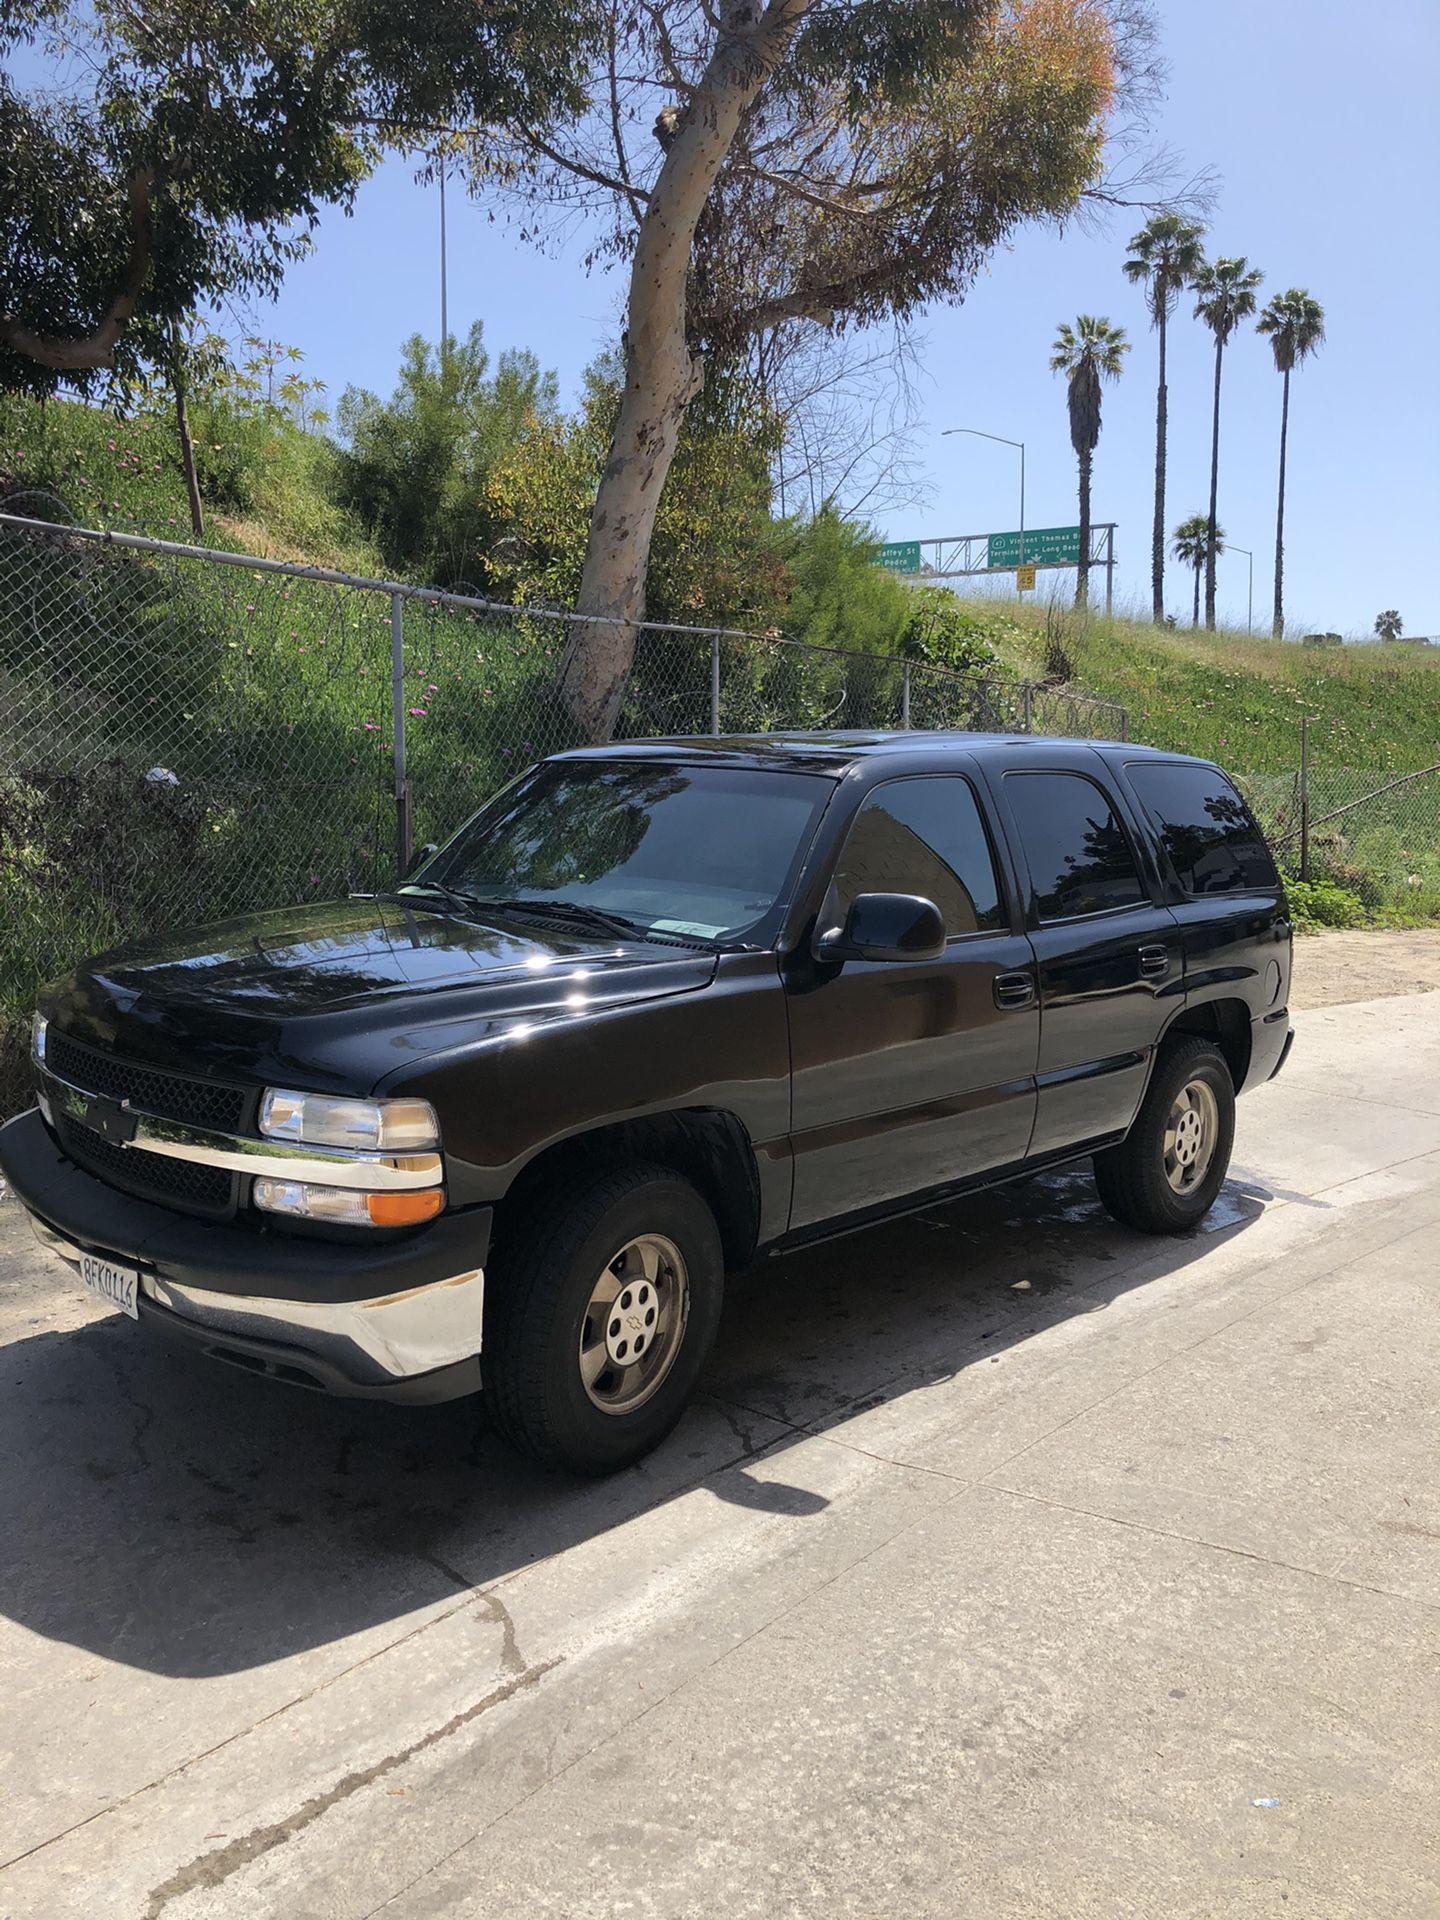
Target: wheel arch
{"x": 710, "y": 1147}
{"x": 1227, "y": 1023}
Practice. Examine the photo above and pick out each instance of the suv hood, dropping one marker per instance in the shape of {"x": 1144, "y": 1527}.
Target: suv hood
{"x": 347, "y": 992}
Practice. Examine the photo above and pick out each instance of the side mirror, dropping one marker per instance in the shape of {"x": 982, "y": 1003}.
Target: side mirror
{"x": 886, "y": 926}
{"x": 420, "y": 856}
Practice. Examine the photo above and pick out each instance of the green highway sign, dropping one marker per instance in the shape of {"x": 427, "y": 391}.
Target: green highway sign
{"x": 1044, "y": 547}
{"x": 903, "y": 556}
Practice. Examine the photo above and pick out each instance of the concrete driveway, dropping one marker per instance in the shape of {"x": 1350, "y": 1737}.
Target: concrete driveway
{"x": 1011, "y": 1565}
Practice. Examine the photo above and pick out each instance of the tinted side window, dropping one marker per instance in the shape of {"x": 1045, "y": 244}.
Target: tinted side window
{"x": 1212, "y": 842}
{"x": 1076, "y": 849}
{"x": 924, "y": 836}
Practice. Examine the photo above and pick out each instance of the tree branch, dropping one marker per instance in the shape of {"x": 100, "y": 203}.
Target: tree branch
{"x": 568, "y": 163}
{"x": 98, "y": 348}
{"x": 622, "y": 158}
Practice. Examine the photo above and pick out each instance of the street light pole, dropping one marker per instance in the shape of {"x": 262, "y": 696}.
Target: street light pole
{"x": 1230, "y": 547}
{"x": 444, "y": 274}
{"x": 1001, "y": 440}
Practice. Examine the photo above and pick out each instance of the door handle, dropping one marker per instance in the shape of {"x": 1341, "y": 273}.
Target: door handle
{"x": 1154, "y": 962}
{"x": 1013, "y": 990}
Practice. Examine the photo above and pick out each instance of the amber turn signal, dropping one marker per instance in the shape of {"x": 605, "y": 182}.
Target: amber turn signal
{"x": 404, "y": 1209}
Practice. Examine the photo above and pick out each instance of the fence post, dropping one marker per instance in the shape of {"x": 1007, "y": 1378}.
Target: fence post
{"x": 1124, "y": 723}
{"x": 397, "y": 708}
{"x": 715, "y": 683}
{"x": 905, "y": 695}
{"x": 1027, "y": 694}
{"x": 1304, "y": 799}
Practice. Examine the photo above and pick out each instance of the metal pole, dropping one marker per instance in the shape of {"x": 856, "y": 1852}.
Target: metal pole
{"x": 1027, "y": 693}
{"x": 1304, "y": 799}
{"x": 905, "y": 695}
{"x": 1109, "y": 571}
{"x": 715, "y": 683}
{"x": 1021, "y": 445}
{"x": 1250, "y": 584}
{"x": 444, "y": 290}
{"x": 397, "y": 708}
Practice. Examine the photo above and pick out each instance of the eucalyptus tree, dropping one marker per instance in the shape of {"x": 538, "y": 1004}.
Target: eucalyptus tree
{"x": 1225, "y": 291}
{"x": 762, "y": 163}
{"x": 1165, "y": 255}
{"x": 1088, "y": 354}
{"x": 1295, "y": 326}
{"x": 188, "y": 147}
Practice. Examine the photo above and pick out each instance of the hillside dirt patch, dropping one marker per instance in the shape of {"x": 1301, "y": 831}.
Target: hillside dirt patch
{"x": 1333, "y": 967}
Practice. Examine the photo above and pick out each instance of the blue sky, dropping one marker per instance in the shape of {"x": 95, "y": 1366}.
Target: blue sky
{"x": 1322, "y": 122}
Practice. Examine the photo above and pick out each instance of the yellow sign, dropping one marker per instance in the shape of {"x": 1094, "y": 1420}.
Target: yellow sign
{"x": 1024, "y": 579}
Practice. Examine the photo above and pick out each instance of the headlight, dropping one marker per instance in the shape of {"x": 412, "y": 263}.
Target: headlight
{"x": 365, "y": 1126}
{"x": 338, "y": 1206}
{"x": 39, "y": 1027}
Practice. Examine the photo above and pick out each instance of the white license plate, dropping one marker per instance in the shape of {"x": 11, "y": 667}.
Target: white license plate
{"x": 117, "y": 1286}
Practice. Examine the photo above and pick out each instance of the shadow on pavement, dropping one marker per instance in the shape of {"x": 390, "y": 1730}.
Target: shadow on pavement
{"x": 184, "y": 1520}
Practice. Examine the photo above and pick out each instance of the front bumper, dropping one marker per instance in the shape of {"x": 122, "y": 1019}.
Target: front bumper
{"x": 400, "y": 1320}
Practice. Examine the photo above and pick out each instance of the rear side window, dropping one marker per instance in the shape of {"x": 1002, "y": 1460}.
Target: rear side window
{"x": 924, "y": 836}
{"x": 1213, "y": 844}
{"x": 1079, "y": 857}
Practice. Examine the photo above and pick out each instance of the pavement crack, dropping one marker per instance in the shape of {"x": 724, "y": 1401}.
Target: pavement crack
{"x": 211, "y": 1870}
{"x": 744, "y": 1434}
{"x": 144, "y": 1416}
{"x": 495, "y": 1609}
{"x": 461, "y": 1580}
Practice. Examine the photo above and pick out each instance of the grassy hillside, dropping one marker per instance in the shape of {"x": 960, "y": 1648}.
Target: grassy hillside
{"x": 1240, "y": 699}
{"x": 264, "y": 477}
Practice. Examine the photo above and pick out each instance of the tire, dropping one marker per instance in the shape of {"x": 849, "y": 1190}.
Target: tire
{"x": 648, "y": 1231}
{"x": 1138, "y": 1179}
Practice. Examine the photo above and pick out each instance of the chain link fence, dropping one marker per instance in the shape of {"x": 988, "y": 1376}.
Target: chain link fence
{"x": 187, "y": 735}
{"x": 1372, "y": 831}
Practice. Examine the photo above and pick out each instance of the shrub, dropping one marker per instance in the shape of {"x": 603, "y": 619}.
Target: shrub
{"x": 939, "y": 631}
{"x": 840, "y": 597}
{"x": 1320, "y": 903}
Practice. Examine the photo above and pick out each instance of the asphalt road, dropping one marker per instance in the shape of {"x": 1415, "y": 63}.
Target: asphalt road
{"x": 1011, "y": 1565}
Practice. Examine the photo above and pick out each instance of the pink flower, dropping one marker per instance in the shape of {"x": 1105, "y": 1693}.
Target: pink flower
{"x": 372, "y": 726}
{"x": 432, "y": 688}
{"x": 419, "y": 711}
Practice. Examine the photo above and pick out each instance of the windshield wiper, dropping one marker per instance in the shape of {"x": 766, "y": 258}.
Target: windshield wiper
{"x": 457, "y": 902}
{"x": 574, "y": 911}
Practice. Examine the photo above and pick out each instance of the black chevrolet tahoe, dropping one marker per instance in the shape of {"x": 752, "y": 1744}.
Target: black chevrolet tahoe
{"x": 660, "y": 1008}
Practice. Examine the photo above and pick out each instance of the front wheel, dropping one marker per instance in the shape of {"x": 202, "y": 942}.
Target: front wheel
{"x": 1165, "y": 1174}
{"x": 601, "y": 1311}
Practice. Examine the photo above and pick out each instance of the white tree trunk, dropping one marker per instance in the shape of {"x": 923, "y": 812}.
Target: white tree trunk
{"x": 662, "y": 374}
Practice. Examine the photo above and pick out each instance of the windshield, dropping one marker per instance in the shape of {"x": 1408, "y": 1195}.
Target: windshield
{"x": 697, "y": 852}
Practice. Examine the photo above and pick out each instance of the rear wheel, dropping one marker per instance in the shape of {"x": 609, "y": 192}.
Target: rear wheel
{"x": 601, "y": 1310}
{"x": 1166, "y": 1172}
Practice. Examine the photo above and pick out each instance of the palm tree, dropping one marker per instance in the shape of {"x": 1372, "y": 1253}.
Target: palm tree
{"x": 1165, "y": 256}
{"x": 1193, "y": 544}
{"x": 1296, "y": 326}
{"x": 1389, "y": 625}
{"x": 1088, "y": 353}
{"x": 1226, "y": 292}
